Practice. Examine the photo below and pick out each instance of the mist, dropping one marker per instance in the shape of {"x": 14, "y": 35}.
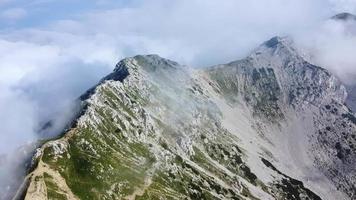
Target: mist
{"x": 332, "y": 45}
{"x": 47, "y": 62}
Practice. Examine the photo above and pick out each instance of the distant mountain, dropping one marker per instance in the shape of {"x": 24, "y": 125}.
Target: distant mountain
{"x": 270, "y": 126}
{"x": 344, "y": 16}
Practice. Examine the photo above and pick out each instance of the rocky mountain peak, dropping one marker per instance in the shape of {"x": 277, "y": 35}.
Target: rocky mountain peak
{"x": 151, "y": 62}
{"x": 277, "y": 47}
{"x": 344, "y": 17}
{"x": 276, "y": 66}
{"x": 297, "y": 74}
{"x": 278, "y": 41}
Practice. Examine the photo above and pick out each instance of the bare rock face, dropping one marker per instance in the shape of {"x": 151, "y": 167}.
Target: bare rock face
{"x": 270, "y": 126}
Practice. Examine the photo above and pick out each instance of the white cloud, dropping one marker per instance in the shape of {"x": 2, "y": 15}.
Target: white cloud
{"x": 332, "y": 45}
{"x": 14, "y": 14}
{"x": 198, "y": 28}
{"x": 344, "y": 5}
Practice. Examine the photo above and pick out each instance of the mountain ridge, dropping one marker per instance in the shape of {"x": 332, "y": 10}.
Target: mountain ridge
{"x": 160, "y": 129}
{"x": 344, "y": 16}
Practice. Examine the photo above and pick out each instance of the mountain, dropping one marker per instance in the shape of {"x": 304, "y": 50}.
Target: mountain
{"x": 270, "y": 126}
{"x": 344, "y": 17}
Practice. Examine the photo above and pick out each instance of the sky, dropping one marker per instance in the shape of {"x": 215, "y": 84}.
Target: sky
{"x": 51, "y": 51}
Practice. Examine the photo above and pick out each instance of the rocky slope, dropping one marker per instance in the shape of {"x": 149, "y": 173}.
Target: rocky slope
{"x": 270, "y": 126}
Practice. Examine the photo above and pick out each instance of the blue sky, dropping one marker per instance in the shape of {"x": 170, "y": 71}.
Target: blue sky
{"x": 34, "y": 13}
{"x": 37, "y": 12}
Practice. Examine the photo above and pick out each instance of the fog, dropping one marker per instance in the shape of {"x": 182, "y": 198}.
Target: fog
{"x": 332, "y": 45}
{"x": 47, "y": 62}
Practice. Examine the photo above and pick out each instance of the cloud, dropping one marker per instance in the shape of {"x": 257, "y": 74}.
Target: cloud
{"x": 332, "y": 45}
{"x": 39, "y": 82}
{"x": 344, "y": 5}
{"x": 14, "y": 14}
{"x": 197, "y": 29}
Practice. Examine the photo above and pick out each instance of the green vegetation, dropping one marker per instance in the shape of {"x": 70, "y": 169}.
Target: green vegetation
{"x": 100, "y": 162}
{"x": 52, "y": 189}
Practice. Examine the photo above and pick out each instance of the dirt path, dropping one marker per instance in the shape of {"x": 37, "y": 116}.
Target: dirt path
{"x": 38, "y": 189}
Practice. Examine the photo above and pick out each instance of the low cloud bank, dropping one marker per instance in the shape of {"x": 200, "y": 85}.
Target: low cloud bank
{"x": 332, "y": 45}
